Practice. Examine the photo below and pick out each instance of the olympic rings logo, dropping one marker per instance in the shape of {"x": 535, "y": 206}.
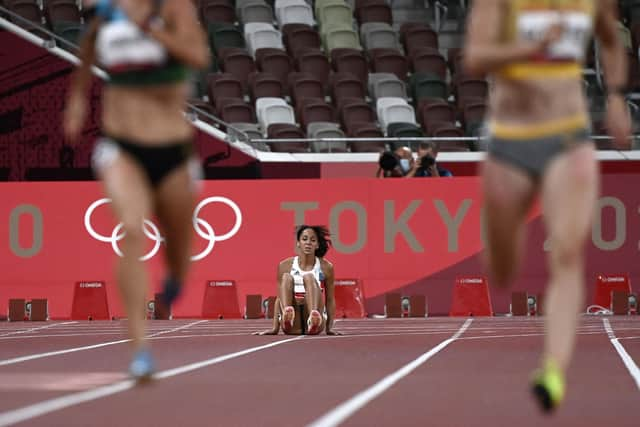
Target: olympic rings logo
{"x": 202, "y": 228}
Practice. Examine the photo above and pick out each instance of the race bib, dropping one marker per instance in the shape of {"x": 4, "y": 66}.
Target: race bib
{"x": 577, "y": 27}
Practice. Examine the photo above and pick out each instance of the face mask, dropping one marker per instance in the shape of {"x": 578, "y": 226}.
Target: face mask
{"x": 404, "y": 164}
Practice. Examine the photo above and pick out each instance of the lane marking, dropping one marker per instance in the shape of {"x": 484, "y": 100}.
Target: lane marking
{"x": 25, "y": 331}
{"x": 341, "y": 412}
{"x": 38, "y": 409}
{"x": 626, "y": 359}
{"x": 86, "y": 347}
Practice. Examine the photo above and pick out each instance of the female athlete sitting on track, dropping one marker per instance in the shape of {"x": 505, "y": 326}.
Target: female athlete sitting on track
{"x": 306, "y": 278}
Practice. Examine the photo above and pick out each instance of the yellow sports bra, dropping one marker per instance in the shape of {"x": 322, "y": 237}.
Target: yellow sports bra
{"x": 531, "y": 19}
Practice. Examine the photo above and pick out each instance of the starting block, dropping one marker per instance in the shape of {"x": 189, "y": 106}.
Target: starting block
{"x": 349, "y": 299}
{"x": 519, "y": 304}
{"x": 620, "y": 303}
{"x": 392, "y": 305}
{"x": 606, "y": 284}
{"x": 540, "y": 304}
{"x": 39, "y": 311}
{"x": 253, "y": 307}
{"x": 417, "y": 306}
{"x": 90, "y": 301}
{"x": 17, "y": 310}
{"x": 221, "y": 300}
{"x": 471, "y": 297}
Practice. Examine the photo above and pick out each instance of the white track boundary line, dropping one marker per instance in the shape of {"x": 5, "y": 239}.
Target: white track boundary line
{"x": 38, "y": 409}
{"x": 341, "y": 412}
{"x": 86, "y": 347}
{"x": 25, "y": 331}
{"x": 626, "y": 359}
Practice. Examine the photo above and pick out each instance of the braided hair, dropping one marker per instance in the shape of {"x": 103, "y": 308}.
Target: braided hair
{"x": 323, "y": 235}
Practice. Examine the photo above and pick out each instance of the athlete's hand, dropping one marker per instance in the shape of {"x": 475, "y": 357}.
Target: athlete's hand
{"x": 619, "y": 122}
{"x": 74, "y": 117}
{"x": 333, "y": 333}
{"x": 267, "y": 332}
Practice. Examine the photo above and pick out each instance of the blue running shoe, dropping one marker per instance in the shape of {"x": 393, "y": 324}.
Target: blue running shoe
{"x": 142, "y": 367}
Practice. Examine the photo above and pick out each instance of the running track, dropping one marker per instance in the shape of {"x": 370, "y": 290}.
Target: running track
{"x": 382, "y": 372}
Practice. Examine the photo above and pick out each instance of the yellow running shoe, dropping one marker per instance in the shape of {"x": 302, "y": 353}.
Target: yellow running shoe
{"x": 548, "y": 386}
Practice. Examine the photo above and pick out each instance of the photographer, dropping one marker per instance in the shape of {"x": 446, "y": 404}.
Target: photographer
{"x": 426, "y": 165}
{"x": 395, "y": 164}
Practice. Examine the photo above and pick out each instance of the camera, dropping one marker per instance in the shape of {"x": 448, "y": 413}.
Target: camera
{"x": 388, "y": 161}
{"x": 427, "y": 161}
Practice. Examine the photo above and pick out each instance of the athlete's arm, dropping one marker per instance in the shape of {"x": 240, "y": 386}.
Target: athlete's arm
{"x": 330, "y": 297}
{"x": 275, "y": 328}
{"x": 75, "y": 111}
{"x": 182, "y": 36}
{"x": 614, "y": 61}
{"x": 483, "y": 51}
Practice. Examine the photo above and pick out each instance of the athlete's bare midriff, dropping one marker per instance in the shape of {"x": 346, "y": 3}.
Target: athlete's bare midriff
{"x": 531, "y": 102}
{"x": 149, "y": 115}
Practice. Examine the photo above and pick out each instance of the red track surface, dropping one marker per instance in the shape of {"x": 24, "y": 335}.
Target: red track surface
{"x": 479, "y": 379}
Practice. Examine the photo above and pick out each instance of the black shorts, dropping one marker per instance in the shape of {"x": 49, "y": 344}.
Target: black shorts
{"x": 156, "y": 161}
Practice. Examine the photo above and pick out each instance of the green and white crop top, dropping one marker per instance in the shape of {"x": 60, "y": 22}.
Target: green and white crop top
{"x": 129, "y": 55}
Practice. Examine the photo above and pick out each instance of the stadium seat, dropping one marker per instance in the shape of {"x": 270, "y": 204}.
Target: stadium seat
{"x": 386, "y": 85}
{"x": 256, "y": 11}
{"x": 392, "y": 110}
{"x": 315, "y": 63}
{"x": 350, "y": 60}
{"x": 299, "y": 37}
{"x": 305, "y": 85}
{"x": 264, "y": 85}
{"x": 319, "y": 130}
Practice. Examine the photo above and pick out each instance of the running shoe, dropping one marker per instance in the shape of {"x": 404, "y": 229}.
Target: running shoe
{"x": 548, "y": 386}
{"x": 142, "y": 367}
{"x": 314, "y": 322}
{"x": 288, "y": 317}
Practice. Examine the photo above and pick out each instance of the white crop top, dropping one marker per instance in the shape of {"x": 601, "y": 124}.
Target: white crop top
{"x": 297, "y": 273}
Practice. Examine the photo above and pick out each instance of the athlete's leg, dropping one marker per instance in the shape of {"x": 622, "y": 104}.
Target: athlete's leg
{"x": 285, "y": 295}
{"x": 128, "y": 188}
{"x": 175, "y": 198}
{"x": 569, "y": 191}
{"x": 508, "y": 194}
{"x": 315, "y": 305}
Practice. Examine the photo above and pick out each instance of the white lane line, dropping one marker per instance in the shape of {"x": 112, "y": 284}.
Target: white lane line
{"x": 25, "y": 331}
{"x": 83, "y": 348}
{"x": 38, "y": 409}
{"x": 179, "y": 328}
{"x": 341, "y": 412}
{"x": 626, "y": 359}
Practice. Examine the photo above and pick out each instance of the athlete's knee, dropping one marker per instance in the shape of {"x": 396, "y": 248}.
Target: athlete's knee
{"x": 308, "y": 280}
{"x": 132, "y": 229}
{"x": 566, "y": 254}
{"x": 287, "y": 281}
